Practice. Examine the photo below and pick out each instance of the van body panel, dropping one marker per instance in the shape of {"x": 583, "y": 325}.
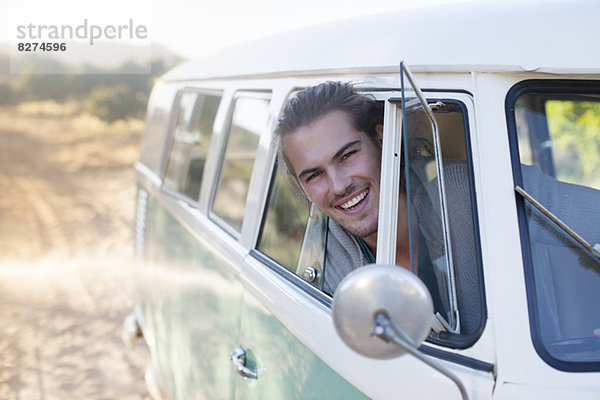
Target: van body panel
{"x": 287, "y": 368}
{"x": 517, "y": 391}
{"x": 310, "y": 321}
{"x": 191, "y": 303}
{"x": 441, "y": 39}
{"x": 505, "y": 286}
{"x": 158, "y": 119}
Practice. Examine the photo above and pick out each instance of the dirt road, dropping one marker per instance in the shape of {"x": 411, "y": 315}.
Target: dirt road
{"x": 66, "y": 208}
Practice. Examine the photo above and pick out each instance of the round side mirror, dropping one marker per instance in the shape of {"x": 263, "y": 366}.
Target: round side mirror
{"x": 372, "y": 290}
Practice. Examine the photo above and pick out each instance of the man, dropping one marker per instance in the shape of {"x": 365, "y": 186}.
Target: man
{"x": 330, "y": 139}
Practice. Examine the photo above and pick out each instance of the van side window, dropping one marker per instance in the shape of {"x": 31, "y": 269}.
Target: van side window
{"x": 248, "y": 122}
{"x": 555, "y": 137}
{"x": 308, "y": 244}
{"x": 451, "y": 118}
{"x": 294, "y": 232}
{"x": 284, "y": 222}
{"x": 191, "y": 140}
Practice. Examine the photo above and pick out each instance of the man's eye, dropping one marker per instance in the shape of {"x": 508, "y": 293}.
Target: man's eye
{"x": 348, "y": 154}
{"x": 312, "y": 176}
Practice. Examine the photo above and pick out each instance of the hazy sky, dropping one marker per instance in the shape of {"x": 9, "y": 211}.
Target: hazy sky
{"x": 218, "y": 23}
{"x": 194, "y": 28}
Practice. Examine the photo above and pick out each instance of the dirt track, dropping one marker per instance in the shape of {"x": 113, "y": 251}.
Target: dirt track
{"x": 66, "y": 209}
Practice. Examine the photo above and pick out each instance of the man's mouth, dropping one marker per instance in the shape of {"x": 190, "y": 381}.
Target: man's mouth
{"x": 355, "y": 201}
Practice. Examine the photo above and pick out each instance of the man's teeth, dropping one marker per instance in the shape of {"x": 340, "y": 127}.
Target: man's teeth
{"x": 351, "y": 203}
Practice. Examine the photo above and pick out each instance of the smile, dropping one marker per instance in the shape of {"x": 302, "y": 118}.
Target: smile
{"x": 356, "y": 200}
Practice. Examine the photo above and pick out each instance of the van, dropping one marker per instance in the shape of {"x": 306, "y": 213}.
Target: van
{"x": 230, "y": 270}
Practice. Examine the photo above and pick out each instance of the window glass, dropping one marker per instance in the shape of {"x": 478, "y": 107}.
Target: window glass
{"x": 248, "y": 122}
{"x": 461, "y": 282}
{"x": 558, "y": 136}
{"x": 284, "y": 223}
{"x": 191, "y": 140}
{"x": 294, "y": 232}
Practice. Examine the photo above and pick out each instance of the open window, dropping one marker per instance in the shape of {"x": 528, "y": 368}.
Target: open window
{"x": 425, "y": 158}
{"x": 445, "y": 248}
{"x": 412, "y": 153}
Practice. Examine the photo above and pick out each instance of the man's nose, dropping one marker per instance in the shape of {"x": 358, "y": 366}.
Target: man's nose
{"x": 339, "y": 182}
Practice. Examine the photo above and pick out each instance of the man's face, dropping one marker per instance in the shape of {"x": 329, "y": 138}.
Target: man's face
{"x": 338, "y": 168}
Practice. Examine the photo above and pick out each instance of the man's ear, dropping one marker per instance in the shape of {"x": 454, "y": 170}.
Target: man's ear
{"x": 379, "y": 129}
{"x": 303, "y": 191}
{"x": 300, "y": 187}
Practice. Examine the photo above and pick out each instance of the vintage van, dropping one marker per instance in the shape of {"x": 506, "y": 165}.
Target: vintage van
{"x": 231, "y": 261}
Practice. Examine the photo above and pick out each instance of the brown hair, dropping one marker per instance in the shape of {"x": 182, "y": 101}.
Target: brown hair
{"x": 310, "y": 104}
{"x": 307, "y": 106}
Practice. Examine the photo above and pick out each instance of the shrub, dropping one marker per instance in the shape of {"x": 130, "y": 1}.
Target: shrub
{"x": 120, "y": 101}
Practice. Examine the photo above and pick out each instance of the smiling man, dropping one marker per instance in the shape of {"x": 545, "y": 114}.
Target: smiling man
{"x": 330, "y": 139}
{"x": 337, "y": 168}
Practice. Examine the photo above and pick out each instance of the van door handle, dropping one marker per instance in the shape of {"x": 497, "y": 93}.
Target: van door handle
{"x": 238, "y": 357}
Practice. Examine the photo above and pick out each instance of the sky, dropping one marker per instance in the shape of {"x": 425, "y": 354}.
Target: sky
{"x": 209, "y": 26}
{"x": 195, "y": 28}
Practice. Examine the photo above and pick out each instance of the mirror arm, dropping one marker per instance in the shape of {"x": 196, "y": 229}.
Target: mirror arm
{"x": 387, "y": 330}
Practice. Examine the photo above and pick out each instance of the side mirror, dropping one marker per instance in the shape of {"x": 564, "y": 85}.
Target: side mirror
{"x": 387, "y": 290}
{"x": 385, "y": 311}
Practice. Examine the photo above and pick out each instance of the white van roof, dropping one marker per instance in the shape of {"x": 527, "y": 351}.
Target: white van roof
{"x": 554, "y": 36}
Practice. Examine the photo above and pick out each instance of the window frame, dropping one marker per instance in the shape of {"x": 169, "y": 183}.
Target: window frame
{"x": 539, "y": 86}
{"x": 455, "y": 97}
{"x": 464, "y": 100}
{"x": 176, "y": 109}
{"x": 224, "y": 141}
